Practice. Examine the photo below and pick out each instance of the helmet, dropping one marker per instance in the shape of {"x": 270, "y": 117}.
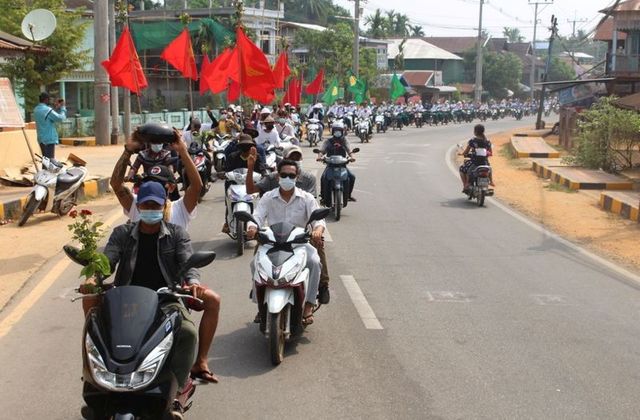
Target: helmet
{"x": 317, "y": 106}
{"x": 265, "y": 111}
{"x": 337, "y": 126}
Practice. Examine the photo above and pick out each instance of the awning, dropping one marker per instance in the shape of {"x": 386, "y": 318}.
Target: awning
{"x": 630, "y": 102}
{"x": 442, "y": 89}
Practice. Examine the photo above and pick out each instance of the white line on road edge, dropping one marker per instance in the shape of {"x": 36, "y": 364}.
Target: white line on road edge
{"x": 327, "y": 235}
{"x": 634, "y": 278}
{"x": 41, "y": 288}
{"x": 360, "y": 302}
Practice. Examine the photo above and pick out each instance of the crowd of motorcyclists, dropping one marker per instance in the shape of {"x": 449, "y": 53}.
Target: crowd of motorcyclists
{"x": 268, "y": 197}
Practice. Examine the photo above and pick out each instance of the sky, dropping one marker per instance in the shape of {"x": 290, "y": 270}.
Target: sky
{"x": 460, "y": 17}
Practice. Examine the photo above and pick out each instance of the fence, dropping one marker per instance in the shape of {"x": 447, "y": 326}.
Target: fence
{"x": 77, "y": 126}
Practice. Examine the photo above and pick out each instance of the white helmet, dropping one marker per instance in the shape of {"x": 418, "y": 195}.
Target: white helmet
{"x": 265, "y": 110}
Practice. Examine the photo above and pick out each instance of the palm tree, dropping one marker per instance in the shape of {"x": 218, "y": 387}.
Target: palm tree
{"x": 377, "y": 25}
{"x": 401, "y": 25}
{"x": 416, "y": 31}
{"x": 390, "y": 21}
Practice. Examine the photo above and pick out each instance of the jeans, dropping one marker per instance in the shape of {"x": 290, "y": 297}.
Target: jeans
{"x": 48, "y": 150}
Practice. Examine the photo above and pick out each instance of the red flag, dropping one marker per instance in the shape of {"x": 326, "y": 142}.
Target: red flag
{"x": 124, "y": 67}
{"x": 281, "y": 70}
{"x": 293, "y": 92}
{"x": 317, "y": 86}
{"x": 234, "y": 92}
{"x": 179, "y": 54}
{"x": 256, "y": 77}
{"x": 204, "y": 85}
{"x": 221, "y": 69}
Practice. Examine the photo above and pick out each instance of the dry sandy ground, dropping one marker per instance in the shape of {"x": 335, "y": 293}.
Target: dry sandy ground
{"x": 574, "y": 215}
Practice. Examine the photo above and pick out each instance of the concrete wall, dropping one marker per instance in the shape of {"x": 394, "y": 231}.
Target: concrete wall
{"x": 14, "y": 152}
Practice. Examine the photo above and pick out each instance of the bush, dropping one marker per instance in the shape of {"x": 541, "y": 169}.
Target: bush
{"x": 607, "y": 137}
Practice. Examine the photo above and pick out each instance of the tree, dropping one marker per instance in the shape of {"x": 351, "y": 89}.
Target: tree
{"x": 560, "y": 70}
{"x": 513, "y": 34}
{"x": 377, "y": 25}
{"x": 317, "y": 12}
{"x": 416, "y": 31}
{"x": 501, "y": 71}
{"x": 65, "y": 55}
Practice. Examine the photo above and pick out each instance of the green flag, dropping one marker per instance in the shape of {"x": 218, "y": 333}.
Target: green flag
{"x": 332, "y": 93}
{"x": 357, "y": 87}
{"x": 397, "y": 88}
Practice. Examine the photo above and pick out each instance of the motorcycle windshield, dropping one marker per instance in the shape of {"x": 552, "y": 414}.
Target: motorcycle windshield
{"x": 129, "y": 313}
{"x": 282, "y": 231}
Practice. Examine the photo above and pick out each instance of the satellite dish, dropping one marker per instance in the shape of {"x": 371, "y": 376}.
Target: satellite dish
{"x": 39, "y": 24}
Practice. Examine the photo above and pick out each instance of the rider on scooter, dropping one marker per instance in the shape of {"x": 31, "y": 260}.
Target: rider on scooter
{"x": 478, "y": 150}
{"x": 336, "y": 145}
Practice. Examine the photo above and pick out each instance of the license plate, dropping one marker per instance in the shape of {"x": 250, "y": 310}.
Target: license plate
{"x": 483, "y": 182}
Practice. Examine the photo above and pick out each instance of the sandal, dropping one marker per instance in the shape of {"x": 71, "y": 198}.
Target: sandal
{"x": 307, "y": 320}
{"x": 205, "y": 376}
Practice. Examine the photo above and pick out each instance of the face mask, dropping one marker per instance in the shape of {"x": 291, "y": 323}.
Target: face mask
{"x": 151, "y": 217}
{"x": 287, "y": 184}
{"x": 337, "y": 134}
{"x": 156, "y": 148}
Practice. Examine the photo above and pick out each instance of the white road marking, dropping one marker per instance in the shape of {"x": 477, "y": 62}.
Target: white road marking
{"x": 630, "y": 276}
{"x": 448, "y": 296}
{"x": 549, "y": 300}
{"x": 367, "y": 315}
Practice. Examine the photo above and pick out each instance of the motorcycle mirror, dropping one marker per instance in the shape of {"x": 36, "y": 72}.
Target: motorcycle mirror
{"x": 72, "y": 252}
{"x": 319, "y": 214}
{"x": 197, "y": 260}
{"x": 244, "y": 216}
{"x": 316, "y": 150}
{"x": 356, "y": 150}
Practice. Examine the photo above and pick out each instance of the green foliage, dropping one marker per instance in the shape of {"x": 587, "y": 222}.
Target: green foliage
{"x": 607, "y": 137}
{"x": 64, "y": 56}
{"x": 88, "y": 233}
{"x": 500, "y": 71}
{"x": 333, "y": 51}
{"x": 318, "y": 12}
{"x": 393, "y": 25}
{"x": 559, "y": 70}
{"x": 513, "y": 34}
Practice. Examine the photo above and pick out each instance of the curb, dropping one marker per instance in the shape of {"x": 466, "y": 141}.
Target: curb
{"x": 548, "y": 154}
{"x": 12, "y": 209}
{"x": 620, "y": 207}
{"x": 549, "y": 172}
{"x": 78, "y": 141}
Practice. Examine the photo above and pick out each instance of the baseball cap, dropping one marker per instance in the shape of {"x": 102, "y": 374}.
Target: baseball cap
{"x": 160, "y": 173}
{"x": 291, "y": 150}
{"x": 152, "y": 191}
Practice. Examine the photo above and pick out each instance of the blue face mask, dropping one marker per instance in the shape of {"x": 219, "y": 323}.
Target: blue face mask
{"x": 287, "y": 184}
{"x": 156, "y": 148}
{"x": 151, "y": 217}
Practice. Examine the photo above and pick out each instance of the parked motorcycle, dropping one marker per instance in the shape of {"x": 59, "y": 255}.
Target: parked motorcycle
{"x": 281, "y": 280}
{"x": 55, "y": 189}
{"x": 238, "y": 200}
{"x": 128, "y": 342}
{"x": 313, "y": 131}
{"x": 338, "y": 178}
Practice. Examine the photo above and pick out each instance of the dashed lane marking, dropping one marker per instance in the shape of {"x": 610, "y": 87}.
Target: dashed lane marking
{"x": 367, "y": 315}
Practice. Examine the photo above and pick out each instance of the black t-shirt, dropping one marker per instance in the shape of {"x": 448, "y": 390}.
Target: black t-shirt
{"x": 147, "y": 272}
{"x": 477, "y": 156}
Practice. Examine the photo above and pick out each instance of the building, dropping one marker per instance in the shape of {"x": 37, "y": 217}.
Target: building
{"x": 524, "y": 51}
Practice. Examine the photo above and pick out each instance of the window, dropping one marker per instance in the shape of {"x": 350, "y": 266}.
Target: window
{"x": 265, "y": 42}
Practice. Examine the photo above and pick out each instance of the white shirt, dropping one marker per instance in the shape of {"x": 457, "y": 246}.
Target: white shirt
{"x": 264, "y": 137}
{"x": 188, "y": 138}
{"x": 273, "y": 209}
{"x": 286, "y": 130}
{"x": 179, "y": 214}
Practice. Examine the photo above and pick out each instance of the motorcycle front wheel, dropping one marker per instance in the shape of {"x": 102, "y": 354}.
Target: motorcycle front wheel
{"x": 337, "y": 203}
{"x": 277, "y": 323}
{"x": 240, "y": 236}
{"x": 31, "y": 207}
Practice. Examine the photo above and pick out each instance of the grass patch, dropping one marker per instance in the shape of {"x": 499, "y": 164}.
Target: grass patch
{"x": 507, "y": 152}
{"x": 552, "y": 186}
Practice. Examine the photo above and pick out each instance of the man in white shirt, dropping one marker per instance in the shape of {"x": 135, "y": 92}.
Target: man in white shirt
{"x": 293, "y": 205}
{"x": 267, "y": 135}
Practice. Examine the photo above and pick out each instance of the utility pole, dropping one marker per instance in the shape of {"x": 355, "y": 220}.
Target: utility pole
{"x": 532, "y": 77}
{"x": 554, "y": 34}
{"x": 574, "y": 21}
{"x": 115, "y": 127}
{"x": 101, "y": 81}
{"x": 478, "y": 86}
{"x": 356, "y": 42}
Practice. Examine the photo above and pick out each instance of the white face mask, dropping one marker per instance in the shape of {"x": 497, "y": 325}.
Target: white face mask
{"x": 156, "y": 148}
{"x": 287, "y": 184}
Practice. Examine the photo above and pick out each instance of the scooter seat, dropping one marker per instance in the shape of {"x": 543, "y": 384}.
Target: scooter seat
{"x": 71, "y": 176}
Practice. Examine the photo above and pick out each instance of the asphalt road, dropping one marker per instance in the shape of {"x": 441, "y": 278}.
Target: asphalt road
{"x": 482, "y": 316}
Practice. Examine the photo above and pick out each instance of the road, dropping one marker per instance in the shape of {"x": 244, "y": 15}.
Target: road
{"x": 481, "y": 315}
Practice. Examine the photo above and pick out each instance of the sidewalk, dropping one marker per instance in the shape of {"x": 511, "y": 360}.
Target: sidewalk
{"x": 100, "y": 161}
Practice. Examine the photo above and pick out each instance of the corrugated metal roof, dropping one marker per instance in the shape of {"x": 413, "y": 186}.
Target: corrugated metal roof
{"x": 418, "y": 49}
{"x": 11, "y": 42}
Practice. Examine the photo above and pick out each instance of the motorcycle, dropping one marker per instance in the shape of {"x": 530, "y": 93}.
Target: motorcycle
{"x": 338, "y": 179}
{"x": 281, "y": 280}
{"x": 200, "y": 157}
{"x": 419, "y": 119}
{"x": 362, "y": 129}
{"x": 479, "y": 180}
{"x": 517, "y": 113}
{"x": 220, "y": 144}
{"x": 396, "y": 122}
{"x": 128, "y": 343}
{"x": 238, "y": 200}
{"x": 55, "y": 189}
{"x": 380, "y": 124}
{"x": 313, "y": 131}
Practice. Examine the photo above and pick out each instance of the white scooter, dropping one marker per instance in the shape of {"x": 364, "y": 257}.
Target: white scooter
{"x": 55, "y": 189}
{"x": 281, "y": 280}
{"x": 239, "y": 201}
{"x": 362, "y": 129}
{"x": 220, "y": 144}
{"x": 313, "y": 131}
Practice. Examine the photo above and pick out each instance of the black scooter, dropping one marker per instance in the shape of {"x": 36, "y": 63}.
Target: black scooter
{"x": 128, "y": 343}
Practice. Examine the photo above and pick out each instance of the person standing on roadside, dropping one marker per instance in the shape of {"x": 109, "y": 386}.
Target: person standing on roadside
{"x": 46, "y": 117}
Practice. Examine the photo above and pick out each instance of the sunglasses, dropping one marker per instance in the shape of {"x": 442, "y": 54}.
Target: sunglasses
{"x": 290, "y": 176}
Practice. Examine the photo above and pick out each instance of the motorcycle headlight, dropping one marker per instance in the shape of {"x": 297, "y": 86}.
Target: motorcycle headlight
{"x": 146, "y": 372}
{"x": 293, "y": 273}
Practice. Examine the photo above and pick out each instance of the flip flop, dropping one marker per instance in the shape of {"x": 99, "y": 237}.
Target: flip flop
{"x": 307, "y": 320}
{"x": 205, "y": 375}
